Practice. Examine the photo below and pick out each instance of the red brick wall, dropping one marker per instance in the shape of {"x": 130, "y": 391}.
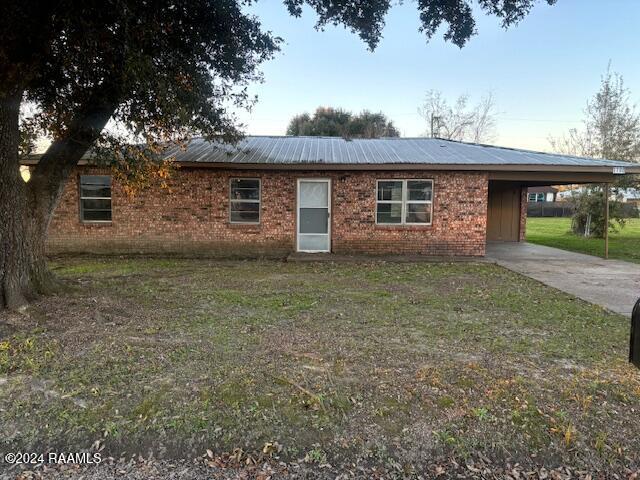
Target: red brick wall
{"x": 193, "y": 217}
{"x": 459, "y": 221}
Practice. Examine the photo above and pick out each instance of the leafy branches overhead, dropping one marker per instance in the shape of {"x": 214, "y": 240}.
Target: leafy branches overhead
{"x": 366, "y": 18}
{"x": 162, "y": 70}
{"x": 458, "y": 16}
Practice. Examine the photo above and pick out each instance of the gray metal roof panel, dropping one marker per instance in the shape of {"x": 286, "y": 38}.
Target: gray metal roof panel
{"x": 335, "y": 150}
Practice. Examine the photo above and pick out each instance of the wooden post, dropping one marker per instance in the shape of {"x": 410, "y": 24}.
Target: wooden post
{"x": 606, "y": 220}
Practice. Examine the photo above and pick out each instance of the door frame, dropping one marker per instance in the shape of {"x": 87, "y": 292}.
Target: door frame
{"x": 319, "y": 180}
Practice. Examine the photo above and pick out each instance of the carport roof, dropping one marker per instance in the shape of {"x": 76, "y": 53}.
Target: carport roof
{"x": 336, "y": 151}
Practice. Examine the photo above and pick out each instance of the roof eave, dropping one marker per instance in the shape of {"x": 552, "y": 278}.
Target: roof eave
{"x": 412, "y": 166}
{"x": 629, "y": 169}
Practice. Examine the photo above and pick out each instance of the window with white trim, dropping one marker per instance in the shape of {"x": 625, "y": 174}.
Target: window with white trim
{"x": 95, "y": 198}
{"x": 244, "y": 200}
{"x": 404, "y": 202}
{"x": 536, "y": 197}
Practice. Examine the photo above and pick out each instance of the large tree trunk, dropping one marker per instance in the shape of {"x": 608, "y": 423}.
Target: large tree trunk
{"x": 23, "y": 271}
{"x": 15, "y": 286}
{"x": 26, "y": 209}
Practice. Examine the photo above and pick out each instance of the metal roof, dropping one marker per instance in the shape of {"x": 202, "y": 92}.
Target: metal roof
{"x": 383, "y": 151}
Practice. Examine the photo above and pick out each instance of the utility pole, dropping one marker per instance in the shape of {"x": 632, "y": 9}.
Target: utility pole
{"x": 606, "y": 220}
{"x": 435, "y": 120}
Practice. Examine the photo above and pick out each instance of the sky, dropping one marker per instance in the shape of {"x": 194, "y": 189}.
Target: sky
{"x": 541, "y": 71}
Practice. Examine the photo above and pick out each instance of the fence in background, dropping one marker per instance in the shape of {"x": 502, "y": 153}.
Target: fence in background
{"x": 565, "y": 209}
{"x": 549, "y": 209}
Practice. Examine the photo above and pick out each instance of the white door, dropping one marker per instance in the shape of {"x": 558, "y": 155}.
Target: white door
{"x": 314, "y": 215}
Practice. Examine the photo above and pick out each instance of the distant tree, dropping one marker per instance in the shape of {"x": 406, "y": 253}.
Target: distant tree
{"x": 161, "y": 71}
{"x": 611, "y": 127}
{"x": 611, "y": 130}
{"x": 325, "y": 121}
{"x": 336, "y": 122}
{"x": 300, "y": 125}
{"x": 460, "y": 120}
{"x": 372, "y": 125}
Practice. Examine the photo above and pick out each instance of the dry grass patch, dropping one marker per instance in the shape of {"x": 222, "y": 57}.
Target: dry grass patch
{"x": 395, "y": 364}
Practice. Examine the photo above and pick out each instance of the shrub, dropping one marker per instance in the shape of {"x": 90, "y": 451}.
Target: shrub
{"x": 589, "y": 213}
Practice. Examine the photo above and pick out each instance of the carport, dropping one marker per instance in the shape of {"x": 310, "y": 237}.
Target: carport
{"x": 507, "y": 202}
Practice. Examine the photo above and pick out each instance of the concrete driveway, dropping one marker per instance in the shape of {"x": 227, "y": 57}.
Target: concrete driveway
{"x": 613, "y": 284}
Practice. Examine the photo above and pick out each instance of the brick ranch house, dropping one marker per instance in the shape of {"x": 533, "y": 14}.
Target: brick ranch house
{"x": 276, "y": 195}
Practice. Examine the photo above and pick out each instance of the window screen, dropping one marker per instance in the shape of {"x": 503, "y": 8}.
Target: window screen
{"x": 95, "y": 198}
{"x": 245, "y": 200}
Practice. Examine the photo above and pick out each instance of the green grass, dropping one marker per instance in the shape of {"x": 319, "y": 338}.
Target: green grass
{"x": 556, "y": 232}
{"x": 393, "y": 363}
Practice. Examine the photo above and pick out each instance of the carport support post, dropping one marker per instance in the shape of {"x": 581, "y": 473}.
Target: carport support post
{"x": 606, "y": 220}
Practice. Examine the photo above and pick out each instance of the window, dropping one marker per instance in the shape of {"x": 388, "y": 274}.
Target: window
{"x": 536, "y": 197}
{"x": 404, "y": 202}
{"x": 245, "y": 200}
{"x": 95, "y": 198}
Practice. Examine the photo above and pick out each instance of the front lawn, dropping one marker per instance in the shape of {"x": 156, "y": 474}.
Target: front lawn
{"x": 368, "y": 365}
{"x": 556, "y": 232}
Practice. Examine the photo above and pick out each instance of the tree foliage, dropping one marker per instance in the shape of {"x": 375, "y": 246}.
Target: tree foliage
{"x": 611, "y": 130}
{"x": 611, "y": 127}
{"x": 159, "y": 72}
{"x": 460, "y": 120}
{"x": 366, "y": 18}
{"x": 589, "y": 209}
{"x": 335, "y": 122}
